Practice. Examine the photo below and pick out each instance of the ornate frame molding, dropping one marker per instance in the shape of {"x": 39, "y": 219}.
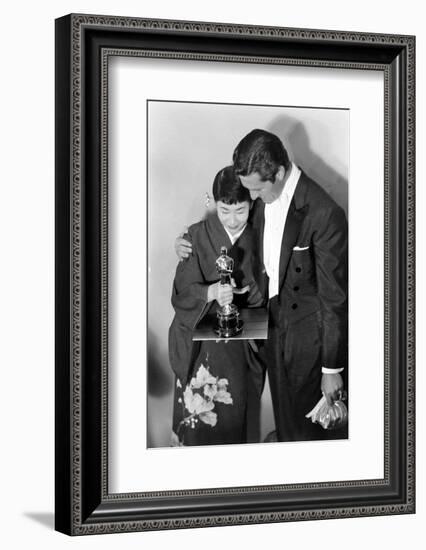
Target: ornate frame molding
{"x": 86, "y": 507}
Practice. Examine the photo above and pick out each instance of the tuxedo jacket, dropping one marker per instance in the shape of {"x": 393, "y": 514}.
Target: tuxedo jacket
{"x": 313, "y": 270}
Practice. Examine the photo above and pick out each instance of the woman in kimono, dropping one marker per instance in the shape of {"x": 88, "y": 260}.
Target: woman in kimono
{"x": 218, "y": 383}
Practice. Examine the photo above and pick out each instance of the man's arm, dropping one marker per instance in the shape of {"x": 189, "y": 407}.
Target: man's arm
{"x": 331, "y": 258}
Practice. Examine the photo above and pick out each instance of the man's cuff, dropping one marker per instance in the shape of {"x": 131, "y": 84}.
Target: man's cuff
{"x": 325, "y": 370}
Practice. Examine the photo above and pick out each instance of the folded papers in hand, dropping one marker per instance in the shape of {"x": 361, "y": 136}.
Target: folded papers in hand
{"x": 330, "y": 417}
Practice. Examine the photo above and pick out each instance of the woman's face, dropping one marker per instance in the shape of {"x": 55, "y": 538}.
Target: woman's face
{"x": 233, "y": 217}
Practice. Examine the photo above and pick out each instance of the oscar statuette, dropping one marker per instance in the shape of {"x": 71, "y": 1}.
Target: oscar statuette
{"x": 228, "y": 322}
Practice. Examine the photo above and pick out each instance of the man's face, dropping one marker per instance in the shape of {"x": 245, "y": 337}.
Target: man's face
{"x": 233, "y": 217}
{"x": 267, "y": 190}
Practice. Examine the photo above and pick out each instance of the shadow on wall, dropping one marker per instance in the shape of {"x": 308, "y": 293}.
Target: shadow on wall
{"x": 293, "y": 134}
{"x": 160, "y": 394}
{"x": 160, "y": 376}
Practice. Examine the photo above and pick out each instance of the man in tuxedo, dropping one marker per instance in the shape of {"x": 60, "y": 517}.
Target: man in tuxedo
{"x": 300, "y": 262}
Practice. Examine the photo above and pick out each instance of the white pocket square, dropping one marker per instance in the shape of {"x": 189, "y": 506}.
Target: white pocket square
{"x": 299, "y": 248}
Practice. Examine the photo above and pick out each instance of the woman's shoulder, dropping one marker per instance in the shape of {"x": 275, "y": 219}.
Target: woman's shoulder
{"x": 196, "y": 230}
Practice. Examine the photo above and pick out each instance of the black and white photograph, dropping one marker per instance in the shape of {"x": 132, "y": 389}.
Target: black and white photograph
{"x": 247, "y": 332}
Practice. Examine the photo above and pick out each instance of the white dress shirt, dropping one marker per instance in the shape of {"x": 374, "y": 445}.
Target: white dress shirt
{"x": 275, "y": 218}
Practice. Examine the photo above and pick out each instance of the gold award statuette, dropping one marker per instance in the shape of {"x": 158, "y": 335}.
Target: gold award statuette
{"x": 228, "y": 317}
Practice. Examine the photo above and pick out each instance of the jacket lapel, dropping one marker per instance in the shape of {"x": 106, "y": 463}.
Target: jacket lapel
{"x": 292, "y": 228}
{"x": 295, "y": 216}
{"x": 258, "y": 225}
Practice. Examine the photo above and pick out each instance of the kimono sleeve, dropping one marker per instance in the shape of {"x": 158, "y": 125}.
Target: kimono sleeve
{"x": 189, "y": 300}
{"x": 189, "y": 295}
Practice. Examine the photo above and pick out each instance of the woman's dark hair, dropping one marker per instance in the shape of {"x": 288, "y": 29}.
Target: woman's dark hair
{"x": 261, "y": 152}
{"x": 227, "y": 187}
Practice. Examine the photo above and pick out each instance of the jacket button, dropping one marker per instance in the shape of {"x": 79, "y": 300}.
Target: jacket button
{"x": 294, "y": 306}
{"x": 298, "y": 269}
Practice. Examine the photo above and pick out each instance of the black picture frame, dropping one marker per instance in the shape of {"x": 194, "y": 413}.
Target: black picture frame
{"x": 83, "y": 504}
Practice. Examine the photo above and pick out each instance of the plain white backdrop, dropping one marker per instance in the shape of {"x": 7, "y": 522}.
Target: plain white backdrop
{"x": 27, "y": 274}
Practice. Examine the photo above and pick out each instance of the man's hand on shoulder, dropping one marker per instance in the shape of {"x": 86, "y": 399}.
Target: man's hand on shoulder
{"x": 183, "y": 247}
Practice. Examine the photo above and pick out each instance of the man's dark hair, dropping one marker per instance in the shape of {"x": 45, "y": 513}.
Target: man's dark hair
{"x": 227, "y": 187}
{"x": 261, "y": 152}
